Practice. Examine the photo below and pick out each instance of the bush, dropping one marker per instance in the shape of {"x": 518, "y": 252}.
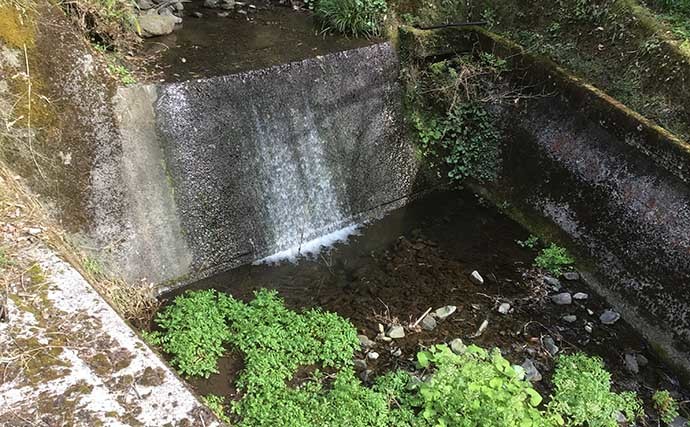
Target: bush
{"x": 356, "y": 17}
{"x": 583, "y": 393}
{"x": 553, "y": 259}
{"x": 477, "y": 388}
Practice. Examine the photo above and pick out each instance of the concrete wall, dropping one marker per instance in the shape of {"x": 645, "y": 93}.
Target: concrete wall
{"x": 227, "y": 170}
{"x": 581, "y": 168}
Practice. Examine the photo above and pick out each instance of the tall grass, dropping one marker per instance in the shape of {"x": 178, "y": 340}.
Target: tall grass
{"x": 354, "y": 17}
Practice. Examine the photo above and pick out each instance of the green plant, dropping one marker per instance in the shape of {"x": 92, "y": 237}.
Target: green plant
{"x": 217, "y": 405}
{"x": 92, "y": 266}
{"x": 582, "y": 393}
{"x": 122, "y": 73}
{"x": 356, "y": 17}
{"x": 531, "y": 242}
{"x": 4, "y": 260}
{"x": 111, "y": 22}
{"x": 665, "y": 405}
{"x": 477, "y": 388}
{"x": 553, "y": 259}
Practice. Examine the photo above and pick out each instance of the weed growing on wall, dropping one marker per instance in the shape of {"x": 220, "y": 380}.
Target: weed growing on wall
{"x": 665, "y": 405}
{"x": 554, "y": 259}
{"x": 583, "y": 394}
{"x": 356, "y": 17}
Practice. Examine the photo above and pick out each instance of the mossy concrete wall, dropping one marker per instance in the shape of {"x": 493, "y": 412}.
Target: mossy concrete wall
{"x": 581, "y": 166}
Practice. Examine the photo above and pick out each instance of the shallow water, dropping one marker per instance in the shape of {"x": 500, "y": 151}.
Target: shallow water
{"x": 420, "y": 257}
{"x": 214, "y": 46}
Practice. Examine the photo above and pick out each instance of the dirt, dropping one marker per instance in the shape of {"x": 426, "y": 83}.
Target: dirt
{"x": 420, "y": 257}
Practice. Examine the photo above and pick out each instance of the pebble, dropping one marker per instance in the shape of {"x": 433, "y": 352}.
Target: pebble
{"x": 609, "y": 317}
{"x": 396, "y": 332}
{"x": 588, "y": 328}
{"x": 571, "y": 275}
{"x": 642, "y": 360}
{"x": 550, "y": 345}
{"x": 364, "y": 375}
{"x": 34, "y": 231}
{"x": 562, "y": 298}
{"x": 570, "y": 318}
{"x": 360, "y": 364}
{"x": 381, "y": 328}
{"x": 631, "y": 363}
{"x": 373, "y": 355}
{"x": 553, "y": 282}
{"x": 444, "y": 312}
{"x": 590, "y": 312}
{"x": 428, "y": 323}
{"x": 580, "y": 296}
{"x": 476, "y": 278}
{"x": 532, "y": 374}
{"x": 365, "y": 341}
{"x": 504, "y": 308}
{"x": 457, "y": 346}
{"x": 397, "y": 352}
{"x": 197, "y": 14}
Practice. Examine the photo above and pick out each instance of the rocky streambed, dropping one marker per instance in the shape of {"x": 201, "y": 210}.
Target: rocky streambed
{"x": 449, "y": 269}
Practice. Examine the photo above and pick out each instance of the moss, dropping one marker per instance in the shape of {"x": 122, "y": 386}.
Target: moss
{"x": 16, "y": 27}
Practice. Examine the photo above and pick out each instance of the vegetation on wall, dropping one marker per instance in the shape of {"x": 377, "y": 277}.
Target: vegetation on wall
{"x": 554, "y": 259}
{"x": 107, "y": 22}
{"x": 298, "y": 371}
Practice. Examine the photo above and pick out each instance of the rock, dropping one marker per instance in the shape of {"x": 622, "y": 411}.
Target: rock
{"x": 197, "y": 14}
{"x": 366, "y": 342}
{"x": 504, "y": 308}
{"x": 227, "y": 4}
{"x": 428, "y": 323}
{"x": 570, "y": 318}
{"x": 397, "y": 352}
{"x": 589, "y": 328}
{"x": 381, "y": 328}
{"x": 631, "y": 363}
{"x": 144, "y": 4}
{"x": 156, "y": 25}
{"x": 679, "y": 422}
{"x": 550, "y": 345}
{"x": 571, "y": 275}
{"x": 580, "y": 296}
{"x": 590, "y": 312}
{"x": 444, "y": 312}
{"x": 34, "y": 231}
{"x": 553, "y": 282}
{"x": 210, "y": 4}
{"x": 642, "y": 360}
{"x": 476, "y": 278}
{"x": 360, "y": 364}
{"x": 620, "y": 418}
{"x": 396, "y": 332}
{"x": 457, "y": 346}
{"x": 532, "y": 374}
{"x": 373, "y": 355}
{"x": 563, "y": 298}
{"x": 609, "y": 317}
{"x": 364, "y": 375}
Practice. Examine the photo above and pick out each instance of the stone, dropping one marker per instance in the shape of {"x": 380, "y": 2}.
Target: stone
{"x": 642, "y": 360}
{"x": 679, "y": 422}
{"x": 365, "y": 341}
{"x": 532, "y": 374}
{"x": 373, "y": 355}
{"x": 504, "y": 308}
{"x": 144, "y": 4}
{"x": 364, "y": 375}
{"x": 580, "y": 296}
{"x": 631, "y": 363}
{"x": 590, "y": 312}
{"x": 397, "y": 352}
{"x": 553, "y": 282}
{"x": 589, "y": 328}
{"x": 211, "y": 4}
{"x": 570, "y": 318}
{"x": 457, "y": 346}
{"x": 571, "y": 275}
{"x": 197, "y": 14}
{"x": 550, "y": 345}
{"x": 179, "y": 6}
{"x": 609, "y": 317}
{"x": 227, "y": 5}
{"x": 428, "y": 323}
{"x": 563, "y": 298}
{"x": 476, "y": 278}
{"x": 34, "y": 231}
{"x": 396, "y": 332}
{"x": 381, "y": 328}
{"x": 157, "y": 25}
{"x": 444, "y": 312}
{"x": 360, "y": 364}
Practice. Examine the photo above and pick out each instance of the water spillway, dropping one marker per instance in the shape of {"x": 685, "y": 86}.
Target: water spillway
{"x": 232, "y": 169}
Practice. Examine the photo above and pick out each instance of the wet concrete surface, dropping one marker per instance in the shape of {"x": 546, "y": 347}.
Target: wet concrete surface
{"x": 248, "y": 38}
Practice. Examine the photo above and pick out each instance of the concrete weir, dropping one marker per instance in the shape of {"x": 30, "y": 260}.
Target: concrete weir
{"x": 225, "y": 171}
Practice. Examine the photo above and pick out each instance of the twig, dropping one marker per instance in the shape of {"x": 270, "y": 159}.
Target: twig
{"x": 29, "y": 134}
{"x": 414, "y": 325}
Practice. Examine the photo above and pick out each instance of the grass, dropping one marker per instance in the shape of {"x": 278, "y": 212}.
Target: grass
{"x": 298, "y": 371}
{"x": 4, "y": 258}
{"x": 554, "y": 259}
{"x": 355, "y": 17}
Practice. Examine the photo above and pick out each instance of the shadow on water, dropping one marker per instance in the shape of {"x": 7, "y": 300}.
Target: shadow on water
{"x": 264, "y": 36}
{"x": 420, "y": 257}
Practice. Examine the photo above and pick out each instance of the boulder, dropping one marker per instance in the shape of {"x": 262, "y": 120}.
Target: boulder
{"x": 157, "y": 25}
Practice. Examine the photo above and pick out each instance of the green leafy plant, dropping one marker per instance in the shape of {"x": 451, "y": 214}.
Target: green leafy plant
{"x": 554, "y": 259}
{"x": 4, "y": 260}
{"x": 582, "y": 393}
{"x": 531, "y": 242}
{"x": 217, "y": 405}
{"x": 477, "y": 388}
{"x": 665, "y": 405}
{"x": 356, "y": 17}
